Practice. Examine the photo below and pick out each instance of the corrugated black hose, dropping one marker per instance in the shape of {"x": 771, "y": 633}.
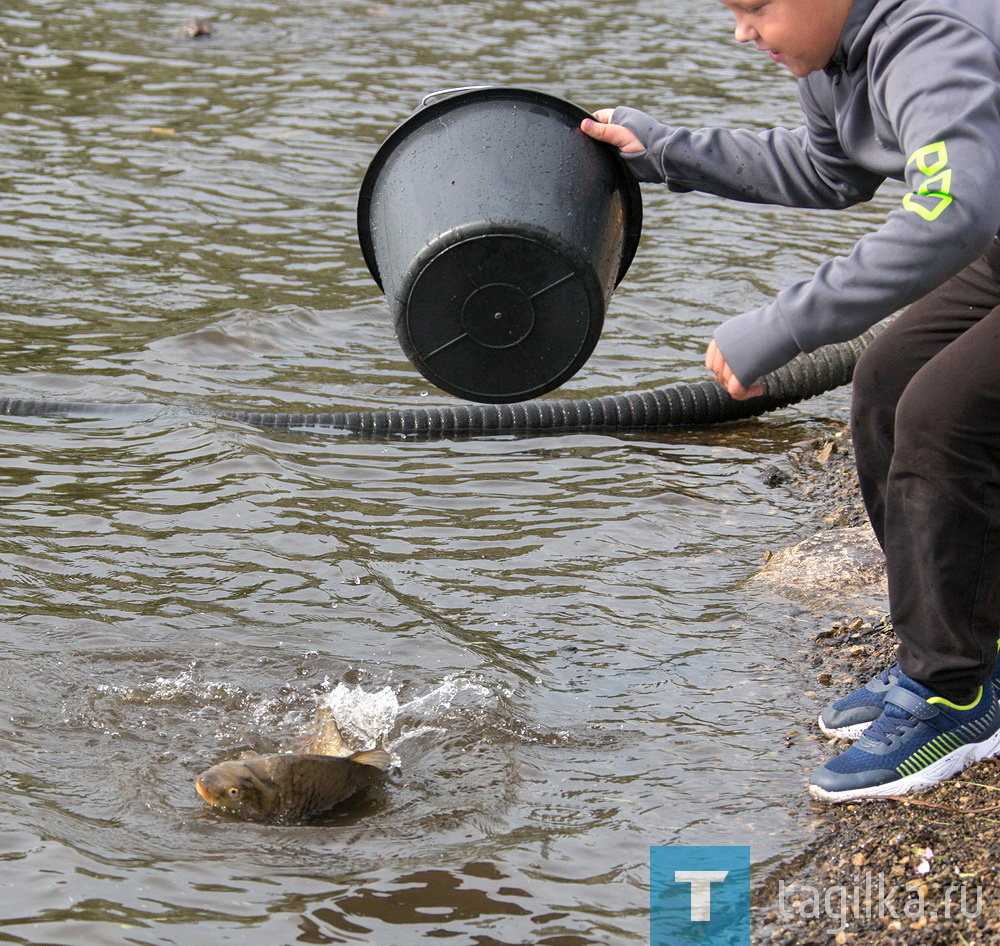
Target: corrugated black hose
{"x": 679, "y": 405}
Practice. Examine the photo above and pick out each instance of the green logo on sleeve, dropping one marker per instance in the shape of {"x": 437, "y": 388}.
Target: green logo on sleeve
{"x": 934, "y": 193}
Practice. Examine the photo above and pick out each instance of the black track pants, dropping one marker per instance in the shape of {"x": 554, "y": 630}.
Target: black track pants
{"x": 925, "y": 420}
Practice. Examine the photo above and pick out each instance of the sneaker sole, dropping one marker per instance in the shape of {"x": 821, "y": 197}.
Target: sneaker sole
{"x": 843, "y": 732}
{"x": 939, "y": 771}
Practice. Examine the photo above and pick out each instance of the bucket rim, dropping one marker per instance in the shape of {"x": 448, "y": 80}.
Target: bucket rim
{"x": 449, "y": 100}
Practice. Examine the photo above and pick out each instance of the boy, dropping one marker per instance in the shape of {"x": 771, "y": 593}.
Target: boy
{"x": 910, "y": 90}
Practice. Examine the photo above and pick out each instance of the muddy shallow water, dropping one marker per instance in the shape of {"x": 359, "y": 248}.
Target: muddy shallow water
{"x": 553, "y": 636}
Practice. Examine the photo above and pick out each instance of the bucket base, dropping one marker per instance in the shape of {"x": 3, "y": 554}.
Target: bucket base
{"x": 500, "y": 316}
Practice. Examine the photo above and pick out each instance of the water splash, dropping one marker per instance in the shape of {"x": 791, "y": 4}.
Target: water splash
{"x": 378, "y": 718}
{"x": 360, "y": 715}
{"x": 444, "y": 695}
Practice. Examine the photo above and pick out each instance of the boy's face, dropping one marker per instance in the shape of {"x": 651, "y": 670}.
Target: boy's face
{"x": 800, "y": 34}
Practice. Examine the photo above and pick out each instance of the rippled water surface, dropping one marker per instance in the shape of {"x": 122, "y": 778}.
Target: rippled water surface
{"x": 551, "y": 635}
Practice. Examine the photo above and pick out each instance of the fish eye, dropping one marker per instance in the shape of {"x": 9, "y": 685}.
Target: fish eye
{"x": 234, "y": 791}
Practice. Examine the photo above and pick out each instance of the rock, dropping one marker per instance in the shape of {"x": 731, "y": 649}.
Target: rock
{"x": 822, "y": 456}
{"x": 835, "y": 562}
{"x": 772, "y": 477}
{"x": 195, "y": 28}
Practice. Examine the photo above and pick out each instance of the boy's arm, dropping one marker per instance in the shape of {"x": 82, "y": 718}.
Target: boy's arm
{"x": 800, "y": 168}
{"x": 936, "y": 78}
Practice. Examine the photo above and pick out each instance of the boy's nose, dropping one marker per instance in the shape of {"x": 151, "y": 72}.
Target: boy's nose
{"x": 744, "y": 32}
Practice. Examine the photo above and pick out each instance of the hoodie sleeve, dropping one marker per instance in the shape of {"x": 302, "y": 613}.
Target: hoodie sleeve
{"x": 937, "y": 80}
{"x": 804, "y": 167}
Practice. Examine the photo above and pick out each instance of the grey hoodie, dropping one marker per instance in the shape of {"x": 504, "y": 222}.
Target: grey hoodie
{"x": 912, "y": 94}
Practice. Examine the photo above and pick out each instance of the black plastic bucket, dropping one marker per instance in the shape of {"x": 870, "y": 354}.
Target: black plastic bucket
{"x": 498, "y": 231}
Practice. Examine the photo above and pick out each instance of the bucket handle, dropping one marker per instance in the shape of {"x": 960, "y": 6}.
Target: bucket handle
{"x": 440, "y": 93}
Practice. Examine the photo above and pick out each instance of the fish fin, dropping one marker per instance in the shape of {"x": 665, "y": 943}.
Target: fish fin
{"x": 328, "y": 739}
{"x": 377, "y": 758}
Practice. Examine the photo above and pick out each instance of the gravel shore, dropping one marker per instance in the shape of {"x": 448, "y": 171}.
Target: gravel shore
{"x": 913, "y": 870}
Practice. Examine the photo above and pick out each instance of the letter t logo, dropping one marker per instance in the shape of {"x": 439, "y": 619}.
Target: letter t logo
{"x": 701, "y": 890}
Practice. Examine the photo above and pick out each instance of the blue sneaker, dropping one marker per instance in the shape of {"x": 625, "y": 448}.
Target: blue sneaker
{"x": 919, "y": 740}
{"x": 851, "y": 715}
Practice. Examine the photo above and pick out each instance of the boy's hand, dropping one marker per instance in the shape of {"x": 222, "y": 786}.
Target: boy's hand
{"x": 724, "y": 375}
{"x": 600, "y": 128}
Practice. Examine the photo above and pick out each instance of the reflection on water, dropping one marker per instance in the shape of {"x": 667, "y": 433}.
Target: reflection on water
{"x": 551, "y": 635}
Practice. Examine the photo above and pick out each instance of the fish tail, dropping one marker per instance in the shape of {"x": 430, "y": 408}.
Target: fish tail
{"x": 377, "y": 758}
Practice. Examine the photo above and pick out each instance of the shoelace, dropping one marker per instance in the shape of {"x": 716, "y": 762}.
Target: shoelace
{"x": 887, "y": 726}
{"x": 883, "y": 677}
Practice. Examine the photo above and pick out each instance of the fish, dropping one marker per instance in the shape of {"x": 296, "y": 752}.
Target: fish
{"x": 292, "y": 786}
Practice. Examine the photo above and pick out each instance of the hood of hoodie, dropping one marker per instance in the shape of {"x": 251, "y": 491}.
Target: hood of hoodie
{"x": 862, "y": 22}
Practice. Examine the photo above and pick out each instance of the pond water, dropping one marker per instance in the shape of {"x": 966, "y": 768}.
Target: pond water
{"x": 552, "y": 635}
